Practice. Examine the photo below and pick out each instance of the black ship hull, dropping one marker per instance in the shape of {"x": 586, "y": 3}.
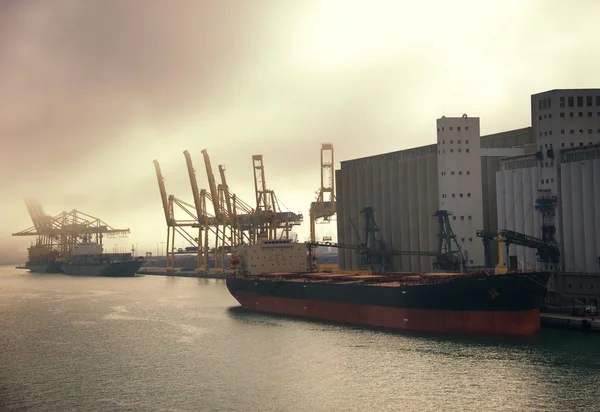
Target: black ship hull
{"x": 114, "y": 269}
{"x": 488, "y": 304}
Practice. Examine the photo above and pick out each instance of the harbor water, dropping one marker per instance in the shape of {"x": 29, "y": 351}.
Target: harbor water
{"x": 156, "y": 343}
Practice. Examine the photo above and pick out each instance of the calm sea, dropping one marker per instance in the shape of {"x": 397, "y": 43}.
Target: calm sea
{"x": 154, "y": 343}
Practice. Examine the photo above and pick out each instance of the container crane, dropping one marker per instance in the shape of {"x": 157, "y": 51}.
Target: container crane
{"x": 325, "y": 205}
{"x": 170, "y": 203}
{"x": 270, "y": 218}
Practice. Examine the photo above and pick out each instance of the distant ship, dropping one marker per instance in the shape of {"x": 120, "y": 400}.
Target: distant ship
{"x": 87, "y": 259}
{"x": 274, "y": 277}
{"x": 42, "y": 259}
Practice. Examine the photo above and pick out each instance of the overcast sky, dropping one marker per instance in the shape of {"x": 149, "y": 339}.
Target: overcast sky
{"x": 93, "y": 91}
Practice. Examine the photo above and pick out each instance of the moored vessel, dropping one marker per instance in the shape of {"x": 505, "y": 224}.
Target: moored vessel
{"x": 87, "y": 259}
{"x": 273, "y": 277}
{"x": 42, "y": 259}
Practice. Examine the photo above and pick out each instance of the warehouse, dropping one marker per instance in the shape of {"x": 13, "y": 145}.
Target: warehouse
{"x": 542, "y": 181}
{"x": 404, "y": 188}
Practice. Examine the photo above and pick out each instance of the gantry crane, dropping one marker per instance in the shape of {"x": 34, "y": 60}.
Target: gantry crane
{"x": 179, "y": 226}
{"x": 58, "y": 234}
{"x": 325, "y": 206}
{"x": 271, "y": 223}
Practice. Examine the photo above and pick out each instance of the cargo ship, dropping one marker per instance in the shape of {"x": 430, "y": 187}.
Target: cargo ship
{"x": 275, "y": 277}
{"x": 42, "y": 259}
{"x": 87, "y": 259}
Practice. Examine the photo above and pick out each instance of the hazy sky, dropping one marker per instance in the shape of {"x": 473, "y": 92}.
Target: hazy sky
{"x": 93, "y": 91}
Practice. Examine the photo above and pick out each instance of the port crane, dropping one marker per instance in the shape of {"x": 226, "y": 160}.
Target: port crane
{"x": 374, "y": 252}
{"x": 546, "y": 250}
{"x": 271, "y": 223}
{"x": 58, "y": 234}
{"x": 325, "y": 205}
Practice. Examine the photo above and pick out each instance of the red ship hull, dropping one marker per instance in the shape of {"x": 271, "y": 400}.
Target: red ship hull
{"x": 516, "y": 323}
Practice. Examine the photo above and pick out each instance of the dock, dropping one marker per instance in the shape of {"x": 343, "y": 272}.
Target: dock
{"x": 159, "y": 271}
{"x": 564, "y": 321}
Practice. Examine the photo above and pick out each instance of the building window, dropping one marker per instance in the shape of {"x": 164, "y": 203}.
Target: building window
{"x": 471, "y": 261}
{"x": 451, "y": 141}
{"x": 542, "y": 181}
{"x": 540, "y": 105}
{"x": 470, "y": 239}
{"x": 562, "y": 101}
{"x": 453, "y": 217}
{"x": 451, "y": 129}
{"x": 589, "y": 114}
{"x": 462, "y": 239}
{"x": 579, "y": 101}
{"x": 467, "y": 150}
{"x": 562, "y": 114}
{"x": 468, "y": 194}
{"x": 467, "y": 142}
{"x": 540, "y": 117}
{"x": 458, "y": 128}
{"x": 588, "y": 100}
{"x": 549, "y": 115}
{"x": 468, "y": 172}
{"x": 571, "y": 131}
{"x": 589, "y": 131}
{"x": 458, "y": 142}
{"x": 571, "y": 114}
{"x": 572, "y": 144}
{"x": 580, "y": 131}
{"x": 580, "y": 143}
{"x": 470, "y": 218}
{"x": 562, "y": 145}
{"x": 580, "y": 114}
{"x": 547, "y": 181}
{"x": 544, "y": 103}
{"x": 571, "y": 101}
{"x": 597, "y": 100}
{"x": 551, "y": 180}
{"x": 549, "y": 103}
{"x": 461, "y": 195}
{"x": 451, "y": 150}
{"x": 562, "y": 131}
{"x": 545, "y": 133}
{"x": 453, "y": 195}
{"x": 452, "y": 173}
{"x": 462, "y": 218}
{"x": 460, "y": 173}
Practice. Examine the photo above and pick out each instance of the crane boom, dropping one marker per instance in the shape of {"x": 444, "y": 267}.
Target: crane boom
{"x": 214, "y": 193}
{"x": 163, "y": 194}
{"x": 194, "y": 184}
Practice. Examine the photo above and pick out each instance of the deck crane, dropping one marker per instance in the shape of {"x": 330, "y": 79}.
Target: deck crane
{"x": 325, "y": 205}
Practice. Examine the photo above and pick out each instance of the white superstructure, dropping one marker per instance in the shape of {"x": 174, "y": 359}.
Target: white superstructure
{"x": 272, "y": 256}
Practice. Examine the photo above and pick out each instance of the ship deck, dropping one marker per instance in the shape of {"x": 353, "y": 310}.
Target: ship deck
{"x": 395, "y": 279}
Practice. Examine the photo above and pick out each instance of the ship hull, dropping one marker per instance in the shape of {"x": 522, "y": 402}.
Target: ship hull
{"x": 44, "y": 268}
{"x": 115, "y": 269}
{"x": 500, "y": 304}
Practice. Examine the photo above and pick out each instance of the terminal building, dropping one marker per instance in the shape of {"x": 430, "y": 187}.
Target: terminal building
{"x": 541, "y": 181}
